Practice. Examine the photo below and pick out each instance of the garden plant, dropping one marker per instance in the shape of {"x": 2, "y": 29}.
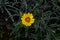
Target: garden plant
{"x": 29, "y": 19}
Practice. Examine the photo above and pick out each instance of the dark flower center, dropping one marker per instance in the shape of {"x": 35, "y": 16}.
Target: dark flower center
{"x": 27, "y": 19}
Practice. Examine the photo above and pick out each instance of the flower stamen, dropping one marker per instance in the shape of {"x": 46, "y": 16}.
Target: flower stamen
{"x": 27, "y": 19}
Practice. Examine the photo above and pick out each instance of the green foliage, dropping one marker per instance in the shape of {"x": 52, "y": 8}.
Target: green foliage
{"x": 46, "y": 14}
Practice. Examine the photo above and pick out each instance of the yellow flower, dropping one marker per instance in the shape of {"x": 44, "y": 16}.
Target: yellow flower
{"x": 27, "y": 19}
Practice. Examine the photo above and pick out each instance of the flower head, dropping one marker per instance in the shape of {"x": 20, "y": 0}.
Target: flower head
{"x": 27, "y": 19}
